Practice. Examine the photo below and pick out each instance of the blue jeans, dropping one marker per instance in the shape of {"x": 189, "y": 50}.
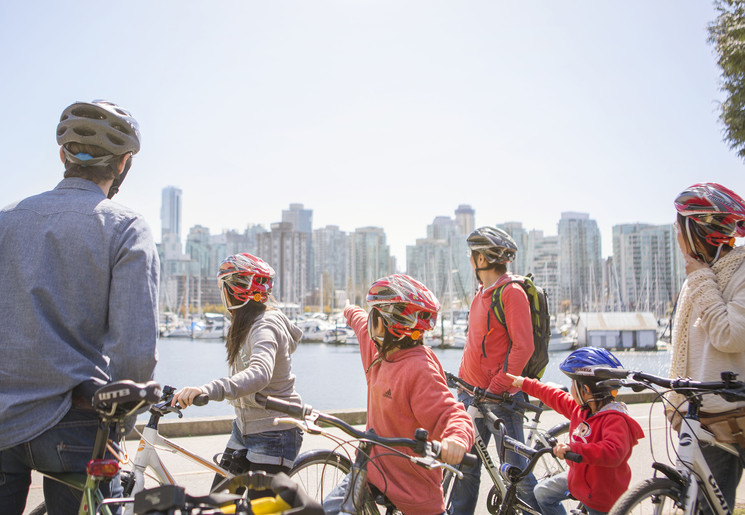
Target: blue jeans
{"x": 726, "y": 469}
{"x": 550, "y": 492}
{"x": 66, "y": 447}
{"x": 270, "y": 447}
{"x": 466, "y": 491}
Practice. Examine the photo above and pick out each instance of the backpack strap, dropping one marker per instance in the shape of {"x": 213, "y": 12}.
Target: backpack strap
{"x": 497, "y": 306}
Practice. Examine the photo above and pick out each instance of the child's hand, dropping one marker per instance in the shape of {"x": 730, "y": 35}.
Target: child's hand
{"x": 185, "y": 396}
{"x": 561, "y": 449}
{"x": 451, "y": 451}
{"x": 516, "y": 380}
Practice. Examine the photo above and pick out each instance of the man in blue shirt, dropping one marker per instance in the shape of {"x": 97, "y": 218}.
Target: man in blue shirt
{"x": 78, "y": 294}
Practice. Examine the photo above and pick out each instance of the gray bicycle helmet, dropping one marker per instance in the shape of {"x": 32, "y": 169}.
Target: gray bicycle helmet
{"x": 100, "y": 123}
{"x": 494, "y": 244}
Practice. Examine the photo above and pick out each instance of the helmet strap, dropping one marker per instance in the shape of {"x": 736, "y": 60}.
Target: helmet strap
{"x": 114, "y": 189}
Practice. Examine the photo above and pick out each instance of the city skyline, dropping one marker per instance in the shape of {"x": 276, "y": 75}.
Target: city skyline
{"x": 313, "y": 265}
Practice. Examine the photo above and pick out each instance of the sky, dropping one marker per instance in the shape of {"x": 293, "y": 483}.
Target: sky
{"x": 376, "y": 112}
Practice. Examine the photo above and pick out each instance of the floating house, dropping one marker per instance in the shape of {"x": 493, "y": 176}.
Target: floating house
{"x": 617, "y": 330}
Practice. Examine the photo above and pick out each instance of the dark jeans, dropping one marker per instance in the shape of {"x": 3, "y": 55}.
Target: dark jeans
{"x": 67, "y": 447}
{"x": 726, "y": 469}
{"x": 466, "y": 491}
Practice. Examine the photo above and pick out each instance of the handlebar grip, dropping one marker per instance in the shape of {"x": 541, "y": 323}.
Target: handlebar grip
{"x": 573, "y": 456}
{"x": 201, "y": 400}
{"x": 469, "y": 460}
{"x": 287, "y": 407}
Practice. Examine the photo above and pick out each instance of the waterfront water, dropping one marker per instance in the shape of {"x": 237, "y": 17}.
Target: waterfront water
{"x": 329, "y": 376}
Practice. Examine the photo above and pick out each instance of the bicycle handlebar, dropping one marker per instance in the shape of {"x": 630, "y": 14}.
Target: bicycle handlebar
{"x": 475, "y": 391}
{"x": 419, "y": 444}
{"x": 728, "y": 386}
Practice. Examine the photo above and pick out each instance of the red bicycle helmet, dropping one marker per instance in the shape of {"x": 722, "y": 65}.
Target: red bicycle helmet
{"x": 245, "y": 277}
{"x": 406, "y": 305}
{"x": 718, "y": 211}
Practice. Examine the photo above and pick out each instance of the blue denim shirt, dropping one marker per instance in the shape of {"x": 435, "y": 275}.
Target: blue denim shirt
{"x": 78, "y": 298}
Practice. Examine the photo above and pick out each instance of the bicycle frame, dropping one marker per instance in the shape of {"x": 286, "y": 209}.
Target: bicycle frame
{"x": 691, "y": 467}
{"x": 147, "y": 453}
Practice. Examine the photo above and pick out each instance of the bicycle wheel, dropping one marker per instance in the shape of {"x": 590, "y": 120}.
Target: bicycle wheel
{"x": 319, "y": 471}
{"x": 658, "y": 496}
{"x": 548, "y": 464}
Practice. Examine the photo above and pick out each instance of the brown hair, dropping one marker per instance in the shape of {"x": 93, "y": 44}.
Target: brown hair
{"x": 97, "y": 174}
{"x": 698, "y": 236}
{"x": 242, "y": 320}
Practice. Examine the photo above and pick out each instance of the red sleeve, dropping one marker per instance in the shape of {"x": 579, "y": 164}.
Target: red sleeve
{"x": 435, "y": 407}
{"x": 357, "y": 319}
{"x": 520, "y": 329}
{"x": 558, "y": 400}
{"x": 613, "y": 449}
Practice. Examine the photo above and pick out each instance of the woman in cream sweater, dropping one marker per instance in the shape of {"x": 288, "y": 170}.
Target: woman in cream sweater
{"x": 708, "y": 334}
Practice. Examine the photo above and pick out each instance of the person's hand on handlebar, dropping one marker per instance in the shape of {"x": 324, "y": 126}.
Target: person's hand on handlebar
{"x": 185, "y": 396}
{"x": 517, "y": 381}
{"x": 451, "y": 451}
{"x": 560, "y": 450}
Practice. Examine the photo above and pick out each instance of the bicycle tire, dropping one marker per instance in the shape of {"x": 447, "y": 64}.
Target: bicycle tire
{"x": 656, "y": 495}
{"x": 319, "y": 471}
{"x": 549, "y": 465}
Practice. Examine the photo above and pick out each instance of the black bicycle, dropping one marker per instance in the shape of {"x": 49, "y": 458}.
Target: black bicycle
{"x": 359, "y": 498}
{"x": 537, "y": 438}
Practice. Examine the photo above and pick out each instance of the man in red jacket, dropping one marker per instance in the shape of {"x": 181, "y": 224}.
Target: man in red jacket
{"x": 486, "y": 350}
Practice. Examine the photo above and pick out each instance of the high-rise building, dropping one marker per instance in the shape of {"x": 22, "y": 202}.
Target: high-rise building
{"x": 330, "y": 255}
{"x": 647, "y": 268}
{"x": 520, "y": 265}
{"x": 465, "y": 218}
{"x": 170, "y": 211}
{"x": 441, "y": 262}
{"x": 286, "y": 249}
{"x": 580, "y": 262}
{"x": 301, "y": 220}
{"x": 369, "y": 260}
{"x": 542, "y": 252}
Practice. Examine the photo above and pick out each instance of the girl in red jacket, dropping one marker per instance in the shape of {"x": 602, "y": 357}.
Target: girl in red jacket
{"x": 601, "y": 430}
{"x": 406, "y": 390}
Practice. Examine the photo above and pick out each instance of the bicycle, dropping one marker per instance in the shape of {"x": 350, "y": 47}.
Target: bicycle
{"x": 357, "y": 500}
{"x": 147, "y": 459}
{"x": 546, "y": 465}
{"x": 690, "y": 481}
{"x": 113, "y": 403}
{"x": 510, "y": 503}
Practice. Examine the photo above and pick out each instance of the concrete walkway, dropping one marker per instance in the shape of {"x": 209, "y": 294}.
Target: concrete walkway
{"x": 197, "y": 481}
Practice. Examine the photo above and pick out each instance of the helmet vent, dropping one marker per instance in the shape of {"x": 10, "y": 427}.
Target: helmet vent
{"x": 85, "y": 112}
{"x": 115, "y": 140}
{"x": 84, "y": 131}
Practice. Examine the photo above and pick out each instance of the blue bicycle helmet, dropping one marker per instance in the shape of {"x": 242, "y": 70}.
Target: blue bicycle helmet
{"x": 580, "y": 365}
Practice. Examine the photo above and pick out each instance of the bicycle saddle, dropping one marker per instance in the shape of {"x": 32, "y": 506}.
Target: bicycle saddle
{"x": 120, "y": 398}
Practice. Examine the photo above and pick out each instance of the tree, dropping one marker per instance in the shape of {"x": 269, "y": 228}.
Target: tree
{"x": 727, "y": 34}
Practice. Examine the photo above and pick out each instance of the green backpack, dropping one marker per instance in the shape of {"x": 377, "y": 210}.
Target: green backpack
{"x": 541, "y": 318}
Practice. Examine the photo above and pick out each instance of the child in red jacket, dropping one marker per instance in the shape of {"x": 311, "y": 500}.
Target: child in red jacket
{"x": 601, "y": 430}
{"x": 406, "y": 390}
